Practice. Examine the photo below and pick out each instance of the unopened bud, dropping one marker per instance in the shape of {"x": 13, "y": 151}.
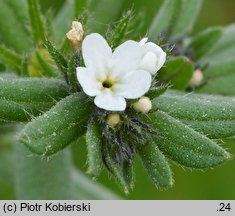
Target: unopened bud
{"x": 143, "y": 105}
{"x": 196, "y": 79}
{"x": 113, "y": 119}
{"x": 75, "y": 35}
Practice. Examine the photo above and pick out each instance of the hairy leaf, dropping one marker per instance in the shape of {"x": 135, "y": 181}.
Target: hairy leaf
{"x": 213, "y": 116}
{"x": 94, "y": 142}
{"x": 128, "y": 173}
{"x": 60, "y": 61}
{"x": 156, "y": 165}
{"x": 55, "y": 129}
{"x": 121, "y": 29}
{"x": 73, "y": 62}
{"x": 21, "y": 99}
{"x": 183, "y": 144}
{"x": 178, "y": 71}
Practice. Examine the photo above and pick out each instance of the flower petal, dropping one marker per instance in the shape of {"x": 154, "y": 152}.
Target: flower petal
{"x": 149, "y": 62}
{"x": 134, "y": 84}
{"x": 90, "y": 85}
{"x": 109, "y": 101}
{"x": 161, "y": 55}
{"x": 143, "y": 41}
{"x": 126, "y": 57}
{"x": 96, "y": 51}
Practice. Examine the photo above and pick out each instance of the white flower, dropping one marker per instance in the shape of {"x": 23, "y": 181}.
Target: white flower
{"x": 112, "y": 76}
{"x": 153, "y": 56}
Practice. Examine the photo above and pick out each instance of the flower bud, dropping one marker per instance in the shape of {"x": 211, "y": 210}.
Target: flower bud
{"x": 113, "y": 119}
{"x": 75, "y": 35}
{"x": 143, "y": 105}
{"x": 196, "y": 79}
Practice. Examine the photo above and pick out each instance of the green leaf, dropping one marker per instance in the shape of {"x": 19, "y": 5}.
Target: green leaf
{"x": 156, "y": 165}
{"x": 220, "y": 61}
{"x": 157, "y": 91}
{"x": 223, "y": 85}
{"x": 204, "y": 41}
{"x": 37, "y": 22}
{"x": 184, "y": 145}
{"x": 102, "y": 13}
{"x": 56, "y": 178}
{"x": 14, "y": 20}
{"x": 21, "y": 99}
{"x": 57, "y": 128}
{"x": 94, "y": 142}
{"x": 121, "y": 29}
{"x": 48, "y": 70}
{"x": 117, "y": 172}
{"x": 63, "y": 19}
{"x": 178, "y": 71}
{"x": 60, "y": 61}
{"x": 186, "y": 16}
{"x": 213, "y": 116}
{"x": 10, "y": 59}
{"x": 73, "y": 62}
{"x": 79, "y": 6}
{"x": 225, "y": 45}
{"x": 128, "y": 173}
{"x": 176, "y": 17}
{"x": 162, "y": 20}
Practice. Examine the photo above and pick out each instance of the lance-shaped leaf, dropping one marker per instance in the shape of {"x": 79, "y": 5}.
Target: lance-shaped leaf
{"x": 186, "y": 16}
{"x": 115, "y": 169}
{"x": 102, "y": 13}
{"x": 204, "y": 41}
{"x": 185, "y": 145}
{"x": 59, "y": 59}
{"x": 94, "y": 142}
{"x": 14, "y": 20}
{"x": 121, "y": 29}
{"x": 56, "y": 178}
{"x": 213, "y": 116}
{"x": 10, "y": 59}
{"x": 128, "y": 173}
{"x": 223, "y": 85}
{"x": 156, "y": 165}
{"x": 221, "y": 61}
{"x": 21, "y": 99}
{"x": 162, "y": 20}
{"x": 37, "y": 22}
{"x": 73, "y": 62}
{"x": 178, "y": 71}
{"x": 55, "y": 129}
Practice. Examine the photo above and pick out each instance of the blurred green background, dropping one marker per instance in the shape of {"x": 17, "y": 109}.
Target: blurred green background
{"x": 217, "y": 183}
